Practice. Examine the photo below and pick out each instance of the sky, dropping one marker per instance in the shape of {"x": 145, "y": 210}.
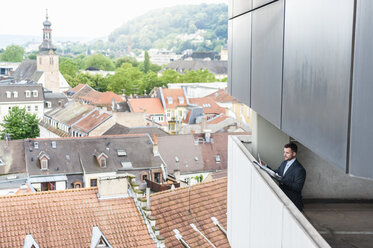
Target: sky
{"x": 77, "y": 18}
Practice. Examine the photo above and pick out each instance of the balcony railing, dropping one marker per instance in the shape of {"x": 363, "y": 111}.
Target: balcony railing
{"x": 259, "y": 213}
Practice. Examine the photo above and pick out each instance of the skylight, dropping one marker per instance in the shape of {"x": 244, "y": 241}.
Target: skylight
{"x": 122, "y": 153}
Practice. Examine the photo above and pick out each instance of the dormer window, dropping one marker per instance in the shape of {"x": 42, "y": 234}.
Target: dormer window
{"x": 36, "y": 145}
{"x": 121, "y": 153}
{"x": 8, "y": 94}
{"x": 54, "y": 144}
{"x": 98, "y": 239}
{"x": 101, "y": 159}
{"x": 181, "y": 100}
{"x": 28, "y": 93}
{"x": 15, "y": 94}
{"x": 169, "y": 100}
{"x": 35, "y": 93}
{"x": 44, "y": 160}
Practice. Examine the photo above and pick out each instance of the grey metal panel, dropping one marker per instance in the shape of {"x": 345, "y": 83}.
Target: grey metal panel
{"x": 230, "y": 9}
{"x": 258, "y": 3}
{"x": 230, "y": 36}
{"x": 361, "y": 142}
{"x": 266, "y": 64}
{"x": 241, "y": 6}
{"x": 316, "y": 85}
{"x": 241, "y": 56}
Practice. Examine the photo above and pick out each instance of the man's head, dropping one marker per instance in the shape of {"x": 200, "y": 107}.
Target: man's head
{"x": 290, "y": 151}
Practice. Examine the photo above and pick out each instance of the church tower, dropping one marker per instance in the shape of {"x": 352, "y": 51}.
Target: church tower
{"x": 47, "y": 59}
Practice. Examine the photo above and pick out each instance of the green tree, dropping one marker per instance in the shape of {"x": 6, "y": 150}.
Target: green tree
{"x": 120, "y": 61}
{"x": 146, "y": 62}
{"x": 20, "y": 125}
{"x": 68, "y": 67}
{"x": 99, "y": 61}
{"x": 13, "y": 53}
{"x": 170, "y": 77}
{"x": 128, "y": 78}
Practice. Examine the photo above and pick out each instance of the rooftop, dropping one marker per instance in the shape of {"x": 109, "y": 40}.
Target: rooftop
{"x": 120, "y": 129}
{"x": 222, "y": 96}
{"x": 66, "y": 219}
{"x": 192, "y": 205}
{"x": 91, "y": 121}
{"x": 172, "y": 98}
{"x": 147, "y": 105}
{"x": 208, "y": 105}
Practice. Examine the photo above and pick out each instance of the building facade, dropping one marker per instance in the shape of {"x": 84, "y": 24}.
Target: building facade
{"x": 303, "y": 68}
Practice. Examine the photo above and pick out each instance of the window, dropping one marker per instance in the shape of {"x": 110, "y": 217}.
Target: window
{"x": 168, "y": 114}
{"x": 180, "y": 113}
{"x": 103, "y": 162}
{"x": 36, "y": 108}
{"x": 169, "y": 100}
{"x": 28, "y": 93}
{"x": 160, "y": 118}
{"x": 8, "y": 94}
{"x": 44, "y": 164}
{"x": 49, "y": 104}
{"x": 157, "y": 177}
{"x": 36, "y": 145}
{"x": 51, "y": 60}
{"x": 217, "y": 158}
{"x": 144, "y": 177}
{"x": 48, "y": 186}
{"x": 28, "y": 108}
{"x": 39, "y": 61}
{"x": 35, "y": 93}
{"x": 181, "y": 100}
{"x": 93, "y": 182}
{"x": 54, "y": 144}
{"x": 15, "y": 94}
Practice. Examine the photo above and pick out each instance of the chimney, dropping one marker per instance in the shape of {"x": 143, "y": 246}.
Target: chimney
{"x": 62, "y": 103}
{"x": 148, "y": 197}
{"x": 177, "y": 175}
{"x": 204, "y": 123}
{"x": 112, "y": 187}
{"x": 155, "y": 145}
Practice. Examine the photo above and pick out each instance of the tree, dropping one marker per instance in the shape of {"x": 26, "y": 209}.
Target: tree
{"x": 99, "y": 61}
{"x": 12, "y": 53}
{"x": 146, "y": 62}
{"x": 126, "y": 77}
{"x": 20, "y": 125}
{"x": 68, "y": 67}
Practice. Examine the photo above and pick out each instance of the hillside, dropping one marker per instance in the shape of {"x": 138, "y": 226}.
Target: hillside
{"x": 198, "y": 27}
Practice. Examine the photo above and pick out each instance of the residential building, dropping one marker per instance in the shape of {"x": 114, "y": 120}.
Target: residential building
{"x": 216, "y": 67}
{"x": 58, "y": 164}
{"x": 318, "y": 94}
{"x": 94, "y": 217}
{"x": 45, "y": 69}
{"x": 198, "y": 89}
{"x": 193, "y": 216}
{"x": 152, "y": 107}
{"x": 174, "y": 102}
{"x": 209, "y": 106}
{"x": 62, "y": 118}
{"x": 108, "y": 100}
{"x": 54, "y": 100}
{"x": 88, "y": 123}
{"x": 7, "y": 68}
{"x": 27, "y": 95}
{"x": 120, "y": 129}
{"x": 12, "y": 166}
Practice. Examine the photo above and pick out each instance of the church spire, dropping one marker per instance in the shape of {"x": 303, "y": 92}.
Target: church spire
{"x": 47, "y": 45}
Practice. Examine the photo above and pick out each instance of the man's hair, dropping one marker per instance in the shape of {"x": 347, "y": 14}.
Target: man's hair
{"x": 292, "y": 146}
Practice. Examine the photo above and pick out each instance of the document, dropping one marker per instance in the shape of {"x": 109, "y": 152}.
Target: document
{"x": 268, "y": 170}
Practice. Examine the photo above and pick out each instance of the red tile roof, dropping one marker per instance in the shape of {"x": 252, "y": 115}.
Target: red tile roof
{"x": 208, "y": 104}
{"x": 148, "y": 105}
{"x": 174, "y": 94}
{"x": 90, "y": 121}
{"x": 66, "y": 219}
{"x": 101, "y": 98}
{"x": 181, "y": 207}
{"x": 217, "y": 119}
{"x": 222, "y": 96}
{"x": 77, "y": 88}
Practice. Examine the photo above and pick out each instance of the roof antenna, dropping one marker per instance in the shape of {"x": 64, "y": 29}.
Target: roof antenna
{"x": 189, "y": 199}
{"x": 46, "y": 11}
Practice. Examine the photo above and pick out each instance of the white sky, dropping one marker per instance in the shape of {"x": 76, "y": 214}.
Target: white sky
{"x": 82, "y": 18}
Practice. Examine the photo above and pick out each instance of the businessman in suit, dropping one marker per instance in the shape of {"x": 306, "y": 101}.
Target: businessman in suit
{"x": 292, "y": 175}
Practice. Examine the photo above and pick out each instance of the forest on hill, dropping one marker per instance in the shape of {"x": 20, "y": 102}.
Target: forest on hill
{"x": 199, "y": 27}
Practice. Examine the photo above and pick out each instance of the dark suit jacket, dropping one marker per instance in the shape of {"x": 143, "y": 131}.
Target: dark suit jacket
{"x": 293, "y": 181}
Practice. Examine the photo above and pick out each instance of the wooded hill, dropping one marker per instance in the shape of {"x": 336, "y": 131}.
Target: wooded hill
{"x": 179, "y": 28}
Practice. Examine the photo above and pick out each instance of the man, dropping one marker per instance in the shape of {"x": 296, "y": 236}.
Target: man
{"x": 292, "y": 175}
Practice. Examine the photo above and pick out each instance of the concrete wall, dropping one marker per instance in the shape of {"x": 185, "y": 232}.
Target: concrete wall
{"x": 325, "y": 180}
{"x": 268, "y": 141}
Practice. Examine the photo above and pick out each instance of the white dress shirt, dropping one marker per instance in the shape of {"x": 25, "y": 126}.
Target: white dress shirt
{"x": 288, "y": 164}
